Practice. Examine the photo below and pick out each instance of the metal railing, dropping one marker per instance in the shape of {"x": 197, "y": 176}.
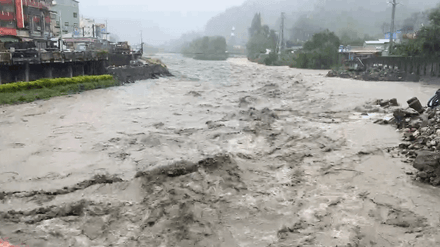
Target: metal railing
{"x": 34, "y": 56}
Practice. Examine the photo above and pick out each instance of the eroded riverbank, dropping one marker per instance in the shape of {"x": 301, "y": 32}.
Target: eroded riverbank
{"x": 275, "y": 157}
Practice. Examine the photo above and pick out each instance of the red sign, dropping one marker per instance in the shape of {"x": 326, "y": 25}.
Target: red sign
{"x": 5, "y": 243}
{"x": 19, "y": 13}
{"x": 7, "y": 31}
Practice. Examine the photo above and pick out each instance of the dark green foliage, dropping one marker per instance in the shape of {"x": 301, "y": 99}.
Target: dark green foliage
{"x": 206, "y": 48}
{"x": 262, "y": 38}
{"x": 427, "y": 42}
{"x": 271, "y": 59}
{"x": 321, "y": 52}
{"x": 256, "y": 25}
{"x": 29, "y": 95}
{"x": 48, "y": 83}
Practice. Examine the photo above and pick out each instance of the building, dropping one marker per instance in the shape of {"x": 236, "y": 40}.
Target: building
{"x": 65, "y": 17}
{"x": 27, "y": 19}
{"x": 89, "y": 28}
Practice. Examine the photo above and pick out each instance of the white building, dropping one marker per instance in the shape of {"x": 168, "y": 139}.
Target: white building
{"x": 89, "y": 28}
{"x": 86, "y": 27}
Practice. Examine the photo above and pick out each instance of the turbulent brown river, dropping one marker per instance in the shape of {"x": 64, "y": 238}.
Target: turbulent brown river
{"x": 226, "y": 153}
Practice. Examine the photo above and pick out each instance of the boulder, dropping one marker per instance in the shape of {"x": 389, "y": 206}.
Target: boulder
{"x": 393, "y": 102}
{"x": 427, "y": 161}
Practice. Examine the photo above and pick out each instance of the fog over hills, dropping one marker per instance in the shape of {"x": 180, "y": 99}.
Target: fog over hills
{"x": 357, "y": 17}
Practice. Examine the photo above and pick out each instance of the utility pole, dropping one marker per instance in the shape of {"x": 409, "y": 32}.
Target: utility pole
{"x": 106, "y": 30}
{"x": 281, "y": 45}
{"x": 142, "y": 44}
{"x": 394, "y": 3}
{"x": 61, "y": 33}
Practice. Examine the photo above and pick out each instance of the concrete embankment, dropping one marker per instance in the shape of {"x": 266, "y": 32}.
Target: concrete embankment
{"x": 133, "y": 73}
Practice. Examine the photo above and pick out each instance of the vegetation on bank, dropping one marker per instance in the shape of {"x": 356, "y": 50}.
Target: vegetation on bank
{"x": 206, "y": 48}
{"x": 320, "y": 52}
{"x": 262, "y": 40}
{"x": 427, "y": 42}
{"x": 20, "y": 92}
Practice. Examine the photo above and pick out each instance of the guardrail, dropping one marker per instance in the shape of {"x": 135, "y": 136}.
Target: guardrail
{"x": 33, "y": 56}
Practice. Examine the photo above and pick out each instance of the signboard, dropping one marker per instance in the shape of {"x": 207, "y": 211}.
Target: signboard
{"x": 19, "y": 13}
{"x": 79, "y": 40}
{"x": 76, "y": 32}
{"x": 7, "y": 31}
{"x": 387, "y": 35}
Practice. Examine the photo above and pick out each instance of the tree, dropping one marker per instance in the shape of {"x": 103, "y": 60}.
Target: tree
{"x": 256, "y": 25}
{"x": 206, "y": 48}
{"x": 427, "y": 42}
{"x": 321, "y": 52}
{"x": 262, "y": 38}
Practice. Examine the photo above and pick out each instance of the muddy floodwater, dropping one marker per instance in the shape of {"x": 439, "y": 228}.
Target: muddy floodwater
{"x": 226, "y": 153}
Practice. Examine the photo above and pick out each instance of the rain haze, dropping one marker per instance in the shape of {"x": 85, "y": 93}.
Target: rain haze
{"x": 160, "y": 20}
{"x": 263, "y": 123}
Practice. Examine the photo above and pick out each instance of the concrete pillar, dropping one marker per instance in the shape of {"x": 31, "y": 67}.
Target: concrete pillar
{"x": 26, "y": 72}
{"x": 70, "y": 70}
{"x": 90, "y": 68}
{"x": 102, "y": 69}
{"x": 49, "y": 72}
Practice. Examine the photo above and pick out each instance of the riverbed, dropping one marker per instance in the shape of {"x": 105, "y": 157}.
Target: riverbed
{"x": 278, "y": 157}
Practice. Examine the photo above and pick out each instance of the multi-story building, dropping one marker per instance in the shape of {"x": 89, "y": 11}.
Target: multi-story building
{"x": 68, "y": 12}
{"x": 25, "y": 18}
{"x": 89, "y": 28}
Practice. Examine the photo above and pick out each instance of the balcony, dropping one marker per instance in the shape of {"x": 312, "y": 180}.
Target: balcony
{"x": 7, "y": 2}
{"x": 35, "y": 4}
{"x": 7, "y": 16}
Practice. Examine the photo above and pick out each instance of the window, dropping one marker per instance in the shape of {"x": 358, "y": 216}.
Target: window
{"x": 58, "y": 24}
{"x": 75, "y": 15}
{"x": 75, "y": 25}
{"x": 66, "y": 23}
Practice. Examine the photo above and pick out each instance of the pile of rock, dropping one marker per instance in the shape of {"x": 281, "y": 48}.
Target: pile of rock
{"x": 420, "y": 128}
{"x": 378, "y": 73}
{"x": 381, "y": 73}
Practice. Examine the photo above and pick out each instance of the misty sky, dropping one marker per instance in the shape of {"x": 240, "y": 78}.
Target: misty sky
{"x": 160, "y": 20}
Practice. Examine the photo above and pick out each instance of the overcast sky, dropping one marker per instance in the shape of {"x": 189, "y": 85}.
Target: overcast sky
{"x": 160, "y": 20}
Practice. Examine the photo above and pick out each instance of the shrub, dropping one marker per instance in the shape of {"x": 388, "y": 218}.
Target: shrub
{"x": 49, "y": 83}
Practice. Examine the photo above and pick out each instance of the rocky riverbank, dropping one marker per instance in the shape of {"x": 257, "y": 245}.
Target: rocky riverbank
{"x": 420, "y": 133}
{"x": 379, "y": 73}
